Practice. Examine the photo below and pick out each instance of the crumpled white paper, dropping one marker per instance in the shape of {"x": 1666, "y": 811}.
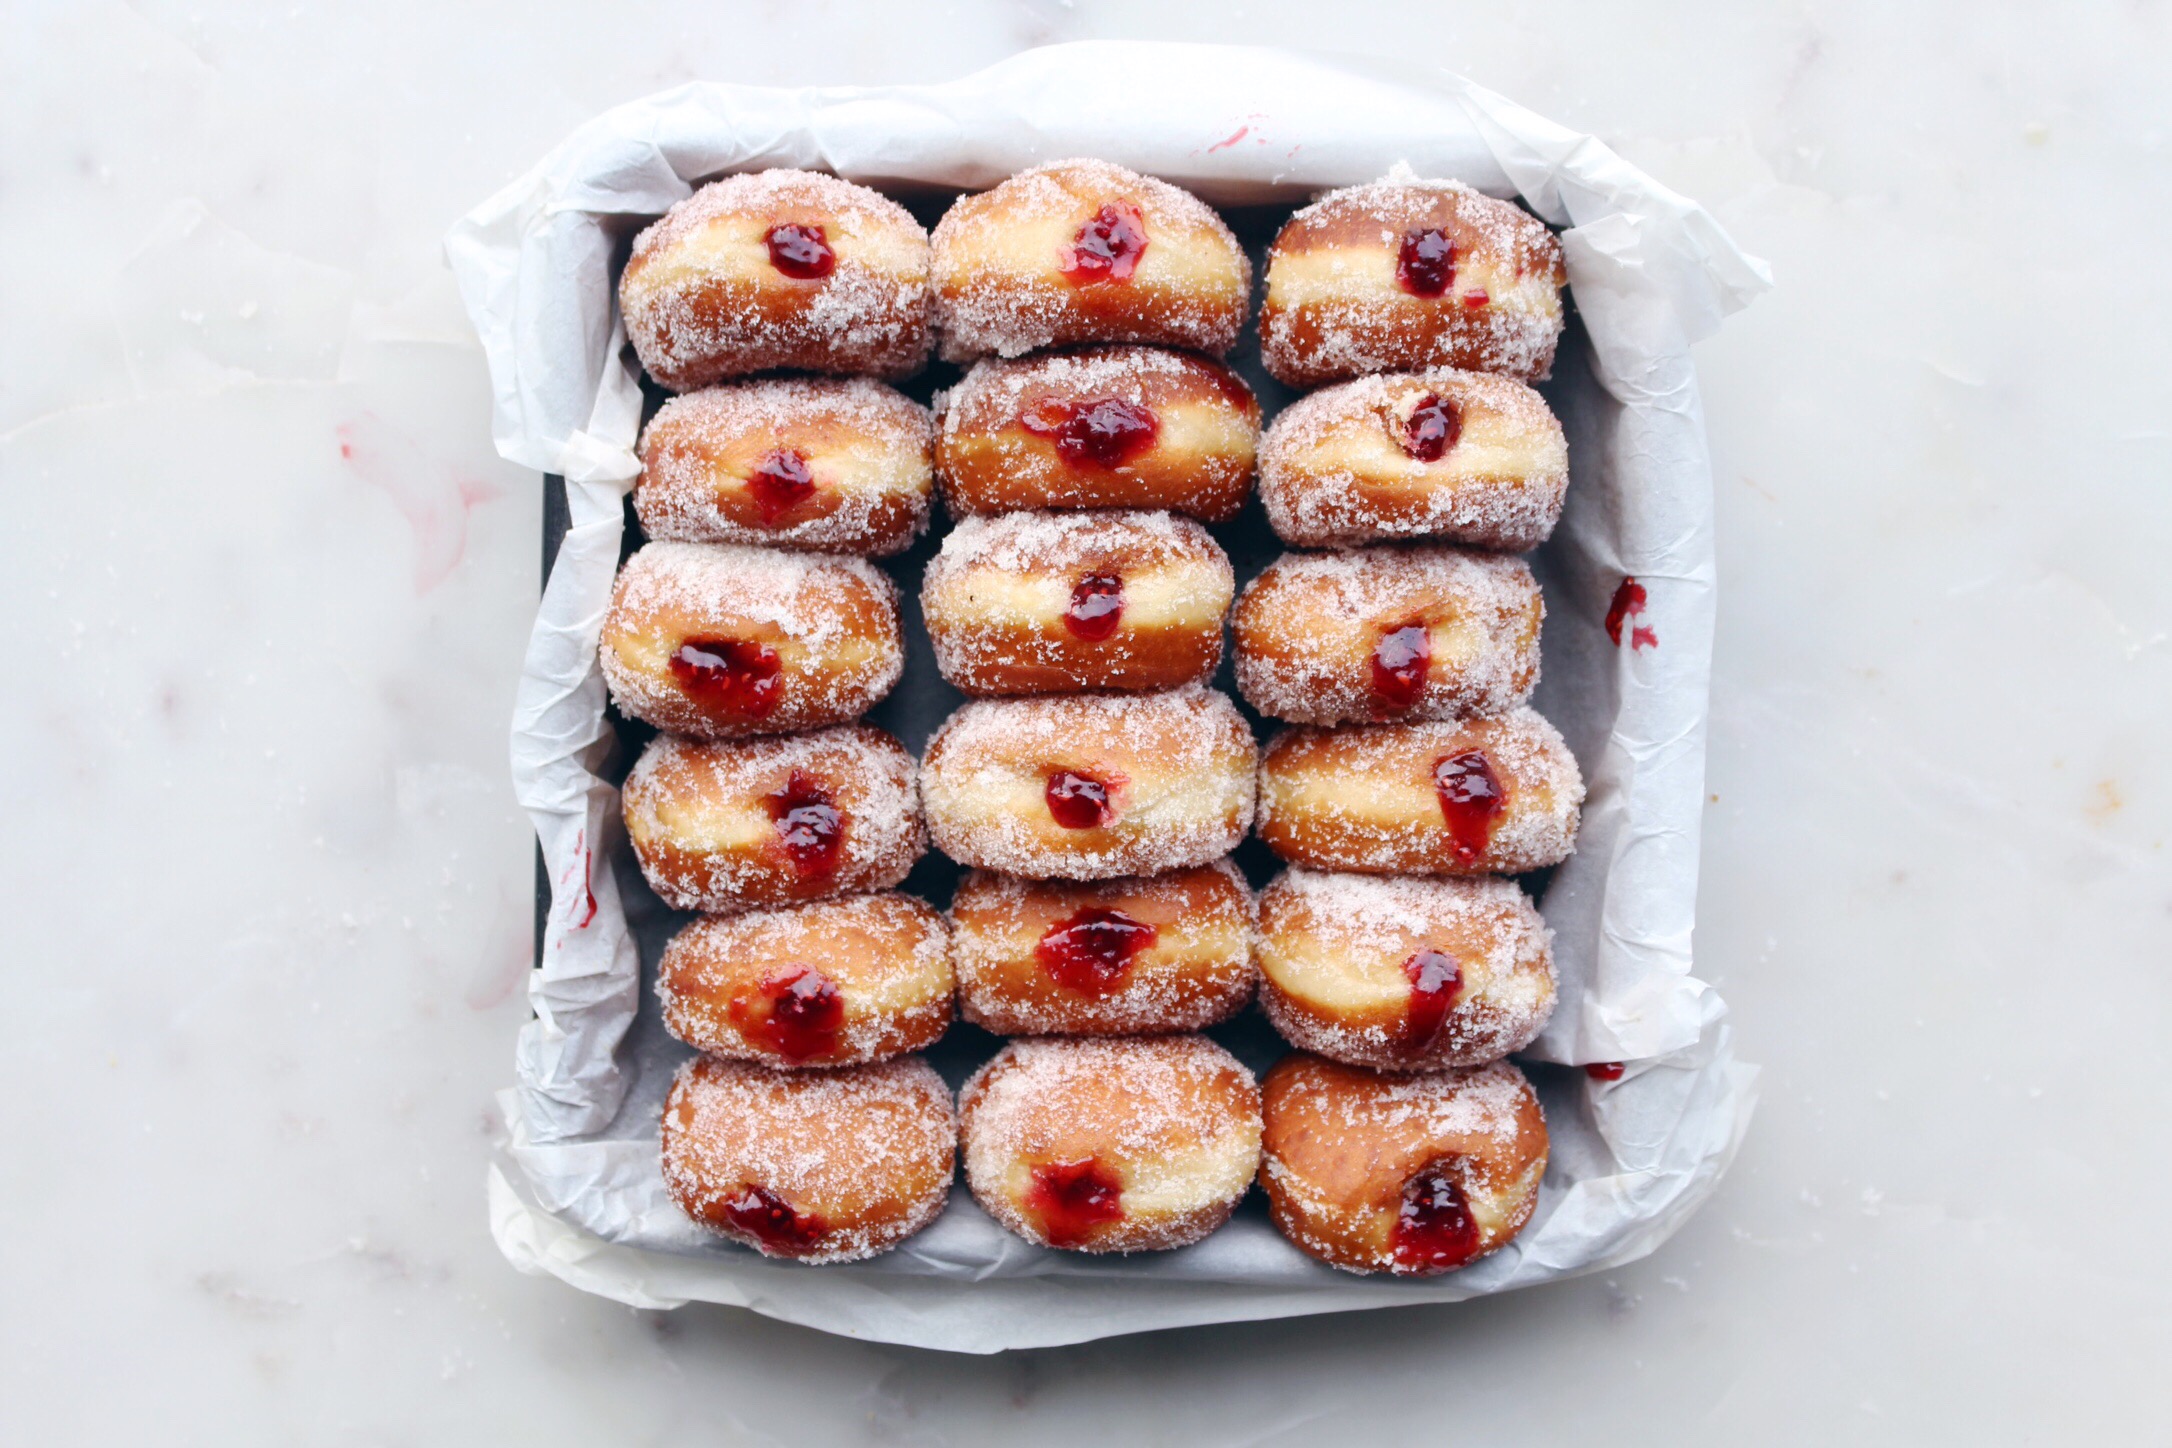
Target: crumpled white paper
{"x": 578, "y": 1194}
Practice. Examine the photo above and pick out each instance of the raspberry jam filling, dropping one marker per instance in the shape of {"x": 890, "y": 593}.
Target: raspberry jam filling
{"x": 730, "y": 676}
{"x": 1100, "y": 432}
{"x": 780, "y": 482}
{"x": 1435, "y": 1230}
{"x": 1475, "y": 298}
{"x": 1605, "y": 1070}
{"x": 1435, "y": 982}
{"x": 1073, "y": 1197}
{"x": 769, "y": 1218}
{"x": 1432, "y": 428}
{"x": 797, "y": 1012}
{"x": 1471, "y": 800}
{"x": 1400, "y": 662}
{"x": 801, "y": 252}
{"x": 1097, "y": 607}
{"x": 809, "y": 825}
{"x": 1107, "y": 248}
{"x": 1426, "y": 266}
{"x": 1091, "y": 952}
{"x": 1078, "y": 801}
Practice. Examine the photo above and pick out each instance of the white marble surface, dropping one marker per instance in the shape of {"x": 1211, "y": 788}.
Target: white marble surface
{"x": 269, "y": 904}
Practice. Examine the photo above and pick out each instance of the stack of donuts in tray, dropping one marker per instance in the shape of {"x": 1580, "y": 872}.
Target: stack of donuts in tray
{"x": 1094, "y": 784}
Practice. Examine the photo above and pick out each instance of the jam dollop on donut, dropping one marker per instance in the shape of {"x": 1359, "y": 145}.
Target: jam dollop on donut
{"x": 764, "y": 822}
{"x": 1083, "y": 251}
{"x": 1460, "y": 456}
{"x": 1411, "y": 1174}
{"x": 1101, "y": 427}
{"x": 1403, "y": 973}
{"x": 818, "y": 1166}
{"x": 1110, "y": 1144}
{"x": 1091, "y": 786}
{"x": 1404, "y": 273}
{"x": 825, "y": 465}
{"x": 778, "y": 269}
{"x": 715, "y": 641}
{"x": 1388, "y": 633}
{"x": 1117, "y": 957}
{"x": 1036, "y": 603}
{"x": 1476, "y": 797}
{"x": 831, "y": 983}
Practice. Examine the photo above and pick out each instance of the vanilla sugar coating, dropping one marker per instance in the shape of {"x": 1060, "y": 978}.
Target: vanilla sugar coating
{"x": 705, "y": 297}
{"x": 1346, "y": 465}
{"x": 1007, "y": 277}
{"x": 1111, "y": 1144}
{"x": 819, "y": 1166}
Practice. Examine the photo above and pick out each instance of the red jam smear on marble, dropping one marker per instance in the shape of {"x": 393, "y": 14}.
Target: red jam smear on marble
{"x": 780, "y": 482}
{"x": 1432, "y": 428}
{"x": 1426, "y": 265}
{"x": 1107, "y": 248}
{"x": 801, "y": 252}
{"x": 1605, "y": 1070}
{"x": 1097, "y": 607}
{"x": 1078, "y": 801}
{"x": 1435, "y": 982}
{"x": 1100, "y": 432}
{"x": 1071, "y": 1198}
{"x": 1471, "y": 799}
{"x": 770, "y": 1219}
{"x": 809, "y": 825}
{"x": 731, "y": 676}
{"x": 1091, "y": 952}
{"x": 797, "y": 1012}
{"x": 1400, "y": 662}
{"x": 1435, "y": 1230}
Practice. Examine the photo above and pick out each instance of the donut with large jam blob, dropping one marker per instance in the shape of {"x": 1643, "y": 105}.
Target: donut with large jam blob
{"x": 1407, "y": 1174}
{"x": 1043, "y": 603}
{"x": 816, "y": 1166}
{"x": 778, "y": 269}
{"x": 1083, "y": 251}
{"x": 1402, "y": 274}
{"x": 1110, "y": 1144}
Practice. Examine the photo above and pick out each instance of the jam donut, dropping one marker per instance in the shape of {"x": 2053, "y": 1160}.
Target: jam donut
{"x": 1397, "y": 274}
{"x": 1042, "y": 958}
{"x": 1044, "y": 603}
{"x": 1463, "y": 456}
{"x": 1388, "y": 633}
{"x": 1409, "y": 1174}
{"x": 1083, "y": 251}
{"x": 729, "y": 826}
{"x": 1105, "y": 427}
{"x": 794, "y": 462}
{"x": 1480, "y": 797}
{"x": 778, "y": 269}
{"x": 1091, "y": 786}
{"x": 1403, "y": 973}
{"x": 715, "y": 641}
{"x": 834, "y": 983}
{"x": 820, "y": 1166}
{"x": 1110, "y": 1144}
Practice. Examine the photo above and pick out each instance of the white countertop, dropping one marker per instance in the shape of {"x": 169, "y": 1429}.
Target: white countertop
{"x": 272, "y": 897}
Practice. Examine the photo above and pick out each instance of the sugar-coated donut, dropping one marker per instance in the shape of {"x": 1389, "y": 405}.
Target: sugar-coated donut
{"x": 1401, "y": 274}
{"x": 1041, "y": 958}
{"x": 1083, "y": 251}
{"x": 778, "y": 269}
{"x": 1091, "y": 786}
{"x": 1403, "y": 973}
{"x": 1103, "y": 427}
{"x": 1409, "y": 1174}
{"x": 1110, "y": 1144}
{"x": 1388, "y": 633}
{"x": 734, "y": 825}
{"x": 819, "y": 1166}
{"x": 831, "y": 983}
{"x": 715, "y": 641}
{"x": 1043, "y": 603}
{"x": 824, "y": 464}
{"x": 1463, "y": 456}
{"x": 1475, "y": 797}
